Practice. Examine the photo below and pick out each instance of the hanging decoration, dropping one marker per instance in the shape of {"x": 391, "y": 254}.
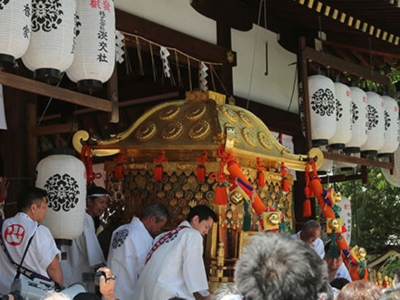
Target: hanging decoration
{"x": 358, "y": 119}
{"x": 158, "y": 168}
{"x": 63, "y": 177}
{"x": 86, "y": 158}
{"x": 164, "y": 53}
{"x": 260, "y": 173}
{"x": 285, "y": 180}
{"x": 343, "y": 117}
{"x": 119, "y": 168}
{"x": 201, "y": 169}
{"x": 391, "y": 140}
{"x": 119, "y": 46}
{"x": 375, "y": 125}
{"x": 220, "y": 197}
{"x": 203, "y": 77}
{"x": 322, "y": 109}
{"x": 94, "y": 59}
{"x": 51, "y": 48}
{"x": 15, "y": 24}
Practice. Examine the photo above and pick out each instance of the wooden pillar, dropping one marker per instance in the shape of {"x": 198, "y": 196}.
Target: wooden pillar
{"x": 224, "y": 39}
{"x": 18, "y": 149}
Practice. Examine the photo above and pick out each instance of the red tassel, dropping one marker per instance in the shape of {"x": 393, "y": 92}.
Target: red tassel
{"x": 307, "y": 208}
{"x": 221, "y": 197}
{"x": 260, "y": 179}
{"x": 260, "y": 174}
{"x": 201, "y": 169}
{"x": 118, "y": 172}
{"x": 201, "y": 173}
{"x": 158, "y": 170}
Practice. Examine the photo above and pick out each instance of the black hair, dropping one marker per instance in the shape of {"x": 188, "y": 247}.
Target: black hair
{"x": 339, "y": 282}
{"x": 96, "y": 190}
{"x": 28, "y": 196}
{"x": 203, "y": 212}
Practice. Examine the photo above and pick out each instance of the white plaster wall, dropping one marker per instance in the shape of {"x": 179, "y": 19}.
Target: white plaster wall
{"x": 174, "y": 14}
{"x": 248, "y": 76}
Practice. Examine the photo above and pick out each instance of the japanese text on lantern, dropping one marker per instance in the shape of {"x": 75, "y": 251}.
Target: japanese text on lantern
{"x": 102, "y": 35}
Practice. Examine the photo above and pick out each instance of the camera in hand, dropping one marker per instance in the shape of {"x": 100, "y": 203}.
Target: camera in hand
{"x": 97, "y": 277}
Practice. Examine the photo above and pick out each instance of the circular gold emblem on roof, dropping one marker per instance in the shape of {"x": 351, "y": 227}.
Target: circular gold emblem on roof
{"x": 146, "y": 131}
{"x": 246, "y": 118}
{"x": 168, "y": 113}
{"x": 195, "y": 112}
{"x": 249, "y": 137}
{"x": 229, "y": 113}
{"x": 199, "y": 130}
{"x": 264, "y": 140}
{"x": 172, "y": 130}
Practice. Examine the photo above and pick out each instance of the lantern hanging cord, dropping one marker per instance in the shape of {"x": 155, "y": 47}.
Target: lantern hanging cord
{"x": 170, "y": 48}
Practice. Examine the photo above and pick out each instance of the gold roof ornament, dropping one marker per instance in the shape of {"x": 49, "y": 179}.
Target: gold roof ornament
{"x": 203, "y": 121}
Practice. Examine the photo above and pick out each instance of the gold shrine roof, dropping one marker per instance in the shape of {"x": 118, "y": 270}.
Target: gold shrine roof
{"x": 203, "y": 121}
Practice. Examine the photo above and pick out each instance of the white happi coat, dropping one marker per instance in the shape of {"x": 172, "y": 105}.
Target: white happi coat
{"x": 82, "y": 257}
{"x": 129, "y": 246}
{"x": 317, "y": 245}
{"x": 175, "y": 269}
{"x": 16, "y": 232}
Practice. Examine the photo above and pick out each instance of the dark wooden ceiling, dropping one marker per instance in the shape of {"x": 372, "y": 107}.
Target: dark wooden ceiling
{"x": 364, "y": 32}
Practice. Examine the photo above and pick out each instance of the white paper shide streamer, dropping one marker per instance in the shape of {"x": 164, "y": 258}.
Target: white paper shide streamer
{"x": 119, "y": 46}
{"x": 3, "y": 122}
{"x": 164, "y": 53}
{"x": 203, "y": 76}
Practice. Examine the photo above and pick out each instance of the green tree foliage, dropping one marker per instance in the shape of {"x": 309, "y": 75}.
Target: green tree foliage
{"x": 375, "y": 212}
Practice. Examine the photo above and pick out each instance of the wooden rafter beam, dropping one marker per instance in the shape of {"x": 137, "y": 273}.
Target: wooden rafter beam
{"x": 40, "y": 88}
{"x": 171, "y": 38}
{"x": 54, "y": 129}
{"x": 362, "y": 59}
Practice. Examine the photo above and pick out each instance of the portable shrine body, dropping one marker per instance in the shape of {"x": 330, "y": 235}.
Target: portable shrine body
{"x": 203, "y": 151}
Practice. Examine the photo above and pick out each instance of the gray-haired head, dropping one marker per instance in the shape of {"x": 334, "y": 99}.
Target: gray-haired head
{"x": 275, "y": 266}
{"x": 390, "y": 294}
{"x": 311, "y": 224}
{"x": 157, "y": 210}
{"x": 224, "y": 290}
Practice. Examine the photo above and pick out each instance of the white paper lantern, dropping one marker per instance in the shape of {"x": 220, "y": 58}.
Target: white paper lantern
{"x": 343, "y": 117}
{"x": 327, "y": 165}
{"x": 322, "y": 109}
{"x": 95, "y": 45}
{"x": 358, "y": 119}
{"x": 15, "y": 24}
{"x": 375, "y": 125}
{"x": 63, "y": 177}
{"x": 346, "y": 166}
{"x": 51, "y": 49}
{"x": 391, "y": 141}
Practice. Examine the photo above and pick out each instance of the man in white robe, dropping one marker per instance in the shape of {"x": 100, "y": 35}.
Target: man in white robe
{"x": 175, "y": 266}
{"x": 42, "y": 257}
{"x": 130, "y": 244}
{"x": 84, "y": 256}
{"x": 310, "y": 235}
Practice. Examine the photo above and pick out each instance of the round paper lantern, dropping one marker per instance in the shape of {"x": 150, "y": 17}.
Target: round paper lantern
{"x": 63, "y": 177}
{"x": 358, "y": 120}
{"x": 375, "y": 125}
{"x": 346, "y": 166}
{"x": 326, "y": 166}
{"x": 95, "y": 45}
{"x": 391, "y": 141}
{"x": 15, "y": 24}
{"x": 322, "y": 109}
{"x": 51, "y": 49}
{"x": 343, "y": 117}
